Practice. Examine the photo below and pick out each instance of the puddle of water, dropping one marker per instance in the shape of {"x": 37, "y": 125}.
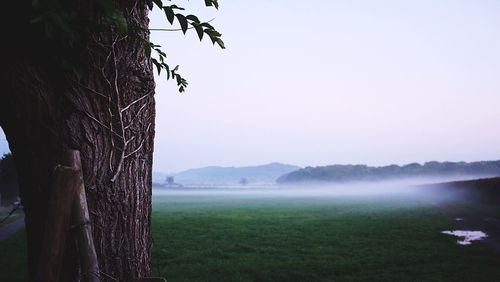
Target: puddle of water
{"x": 467, "y": 236}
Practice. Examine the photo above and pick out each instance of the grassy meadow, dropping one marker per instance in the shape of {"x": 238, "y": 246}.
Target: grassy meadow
{"x": 203, "y": 238}
{"x": 233, "y": 238}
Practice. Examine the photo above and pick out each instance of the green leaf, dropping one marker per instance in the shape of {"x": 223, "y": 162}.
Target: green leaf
{"x": 207, "y": 25}
{"x": 169, "y": 13}
{"x": 167, "y": 69}
{"x": 210, "y": 3}
{"x": 212, "y": 34}
{"x": 193, "y": 18}
{"x": 121, "y": 22}
{"x": 157, "y": 65}
{"x": 183, "y": 22}
{"x": 220, "y": 43}
{"x": 158, "y": 3}
{"x": 160, "y": 52}
{"x": 176, "y": 68}
{"x": 199, "y": 30}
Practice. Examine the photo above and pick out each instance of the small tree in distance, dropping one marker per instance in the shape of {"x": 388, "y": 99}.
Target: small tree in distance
{"x": 170, "y": 180}
{"x": 243, "y": 181}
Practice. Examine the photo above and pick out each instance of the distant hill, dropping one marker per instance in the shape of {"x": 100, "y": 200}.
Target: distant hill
{"x": 263, "y": 174}
{"x": 343, "y": 173}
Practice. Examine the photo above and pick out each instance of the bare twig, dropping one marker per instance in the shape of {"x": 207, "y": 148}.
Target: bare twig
{"x": 137, "y": 114}
{"x": 136, "y": 150}
{"x": 102, "y": 124}
{"x": 134, "y": 102}
{"x": 130, "y": 140}
{"x": 108, "y": 276}
{"x": 91, "y": 90}
{"x": 120, "y": 118}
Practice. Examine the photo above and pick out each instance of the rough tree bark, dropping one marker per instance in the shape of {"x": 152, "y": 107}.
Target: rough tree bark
{"x": 106, "y": 112}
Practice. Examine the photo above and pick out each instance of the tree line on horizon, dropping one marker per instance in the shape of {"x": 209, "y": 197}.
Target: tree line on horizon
{"x": 341, "y": 173}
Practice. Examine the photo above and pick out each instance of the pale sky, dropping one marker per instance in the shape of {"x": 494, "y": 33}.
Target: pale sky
{"x": 332, "y": 82}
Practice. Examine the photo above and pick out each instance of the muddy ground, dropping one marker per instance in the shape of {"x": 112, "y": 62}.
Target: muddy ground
{"x": 475, "y": 205}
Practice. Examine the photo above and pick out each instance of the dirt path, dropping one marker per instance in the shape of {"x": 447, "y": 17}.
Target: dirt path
{"x": 11, "y": 228}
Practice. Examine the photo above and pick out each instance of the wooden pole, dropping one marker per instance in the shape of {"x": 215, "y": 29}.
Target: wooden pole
{"x": 81, "y": 220}
{"x": 66, "y": 182}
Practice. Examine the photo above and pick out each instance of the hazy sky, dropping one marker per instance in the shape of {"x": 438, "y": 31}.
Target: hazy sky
{"x": 324, "y": 82}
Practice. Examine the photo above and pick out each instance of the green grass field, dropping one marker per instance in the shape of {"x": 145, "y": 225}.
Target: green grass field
{"x": 200, "y": 238}
{"x": 343, "y": 239}
{"x": 13, "y": 261}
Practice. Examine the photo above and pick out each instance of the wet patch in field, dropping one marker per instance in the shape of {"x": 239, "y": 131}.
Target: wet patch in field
{"x": 466, "y": 236}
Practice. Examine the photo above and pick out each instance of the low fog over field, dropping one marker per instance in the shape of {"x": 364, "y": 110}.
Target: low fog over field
{"x": 411, "y": 188}
{"x": 363, "y": 231}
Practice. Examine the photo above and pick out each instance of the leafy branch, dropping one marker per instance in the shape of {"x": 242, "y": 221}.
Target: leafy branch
{"x": 160, "y": 65}
{"x": 186, "y": 22}
{"x": 64, "y": 26}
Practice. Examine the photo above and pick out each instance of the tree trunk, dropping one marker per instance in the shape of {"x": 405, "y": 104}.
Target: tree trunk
{"x": 106, "y": 111}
